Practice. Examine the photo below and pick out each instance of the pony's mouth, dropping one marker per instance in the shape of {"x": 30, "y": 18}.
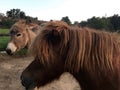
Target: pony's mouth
{"x": 29, "y": 84}
{"x": 31, "y": 88}
{"x": 9, "y": 52}
{"x": 11, "y": 48}
{"x": 35, "y": 88}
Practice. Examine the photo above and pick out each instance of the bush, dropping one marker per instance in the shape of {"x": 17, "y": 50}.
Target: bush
{"x": 7, "y": 23}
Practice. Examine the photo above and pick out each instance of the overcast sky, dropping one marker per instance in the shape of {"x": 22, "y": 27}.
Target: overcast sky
{"x": 76, "y": 10}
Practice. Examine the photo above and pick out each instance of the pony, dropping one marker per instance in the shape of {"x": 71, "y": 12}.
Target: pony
{"x": 22, "y": 34}
{"x": 91, "y": 56}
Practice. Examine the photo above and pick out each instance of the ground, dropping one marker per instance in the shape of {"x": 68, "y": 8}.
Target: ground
{"x": 12, "y": 66}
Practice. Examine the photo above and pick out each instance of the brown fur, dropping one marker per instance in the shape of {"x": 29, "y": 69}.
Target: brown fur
{"x": 93, "y": 57}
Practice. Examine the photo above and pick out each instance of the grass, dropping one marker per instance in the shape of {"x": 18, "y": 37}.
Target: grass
{"x": 4, "y": 39}
{"x": 3, "y": 42}
{"x": 22, "y": 52}
{"x": 4, "y": 31}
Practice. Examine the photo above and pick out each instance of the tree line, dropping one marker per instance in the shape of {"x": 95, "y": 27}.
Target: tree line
{"x": 105, "y": 23}
{"x": 13, "y": 15}
{"x": 111, "y": 23}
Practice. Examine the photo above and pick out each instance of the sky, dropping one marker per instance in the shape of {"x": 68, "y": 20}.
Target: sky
{"x": 76, "y": 10}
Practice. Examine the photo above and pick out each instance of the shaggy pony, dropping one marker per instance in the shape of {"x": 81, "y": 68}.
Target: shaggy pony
{"x": 92, "y": 57}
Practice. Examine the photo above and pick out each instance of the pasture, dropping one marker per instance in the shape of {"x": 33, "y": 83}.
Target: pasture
{"x": 3, "y": 42}
{"x": 3, "y": 39}
{"x": 4, "y": 31}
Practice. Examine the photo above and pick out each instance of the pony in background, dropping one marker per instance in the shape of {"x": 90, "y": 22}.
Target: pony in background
{"x": 91, "y": 56}
{"x": 22, "y": 34}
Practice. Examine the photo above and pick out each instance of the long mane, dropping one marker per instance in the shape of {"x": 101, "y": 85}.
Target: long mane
{"x": 91, "y": 49}
{"x": 82, "y": 47}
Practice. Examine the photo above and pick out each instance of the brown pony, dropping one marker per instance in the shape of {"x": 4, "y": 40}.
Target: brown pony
{"x": 22, "y": 34}
{"x": 92, "y": 57}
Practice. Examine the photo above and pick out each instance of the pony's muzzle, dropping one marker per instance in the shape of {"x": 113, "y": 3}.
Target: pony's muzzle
{"x": 11, "y": 48}
{"x": 27, "y": 82}
{"x": 9, "y": 52}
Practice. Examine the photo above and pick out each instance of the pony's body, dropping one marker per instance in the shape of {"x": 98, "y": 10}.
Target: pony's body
{"x": 92, "y": 57}
{"x": 22, "y": 34}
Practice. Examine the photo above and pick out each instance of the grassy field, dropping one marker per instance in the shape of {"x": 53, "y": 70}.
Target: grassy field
{"x": 3, "y": 42}
{"x": 4, "y": 31}
{"x": 4, "y": 39}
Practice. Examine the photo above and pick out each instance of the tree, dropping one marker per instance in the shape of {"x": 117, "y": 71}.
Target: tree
{"x": 66, "y": 19}
{"x": 2, "y": 15}
{"x": 15, "y": 13}
{"x": 115, "y": 22}
{"x": 99, "y": 23}
{"x": 83, "y": 24}
{"x": 22, "y": 14}
{"x": 76, "y": 23}
{"x": 94, "y": 22}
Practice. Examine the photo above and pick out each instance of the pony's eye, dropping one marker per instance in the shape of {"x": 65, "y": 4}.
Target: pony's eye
{"x": 18, "y": 35}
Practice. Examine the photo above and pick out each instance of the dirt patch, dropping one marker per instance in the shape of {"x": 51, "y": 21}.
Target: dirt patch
{"x": 11, "y": 68}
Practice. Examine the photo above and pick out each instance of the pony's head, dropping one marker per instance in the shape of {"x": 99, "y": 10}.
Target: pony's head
{"x": 60, "y": 47}
{"x": 47, "y": 50}
{"x": 21, "y": 35}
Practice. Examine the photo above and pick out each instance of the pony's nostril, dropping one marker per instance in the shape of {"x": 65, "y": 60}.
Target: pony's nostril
{"x": 27, "y": 82}
{"x": 9, "y": 52}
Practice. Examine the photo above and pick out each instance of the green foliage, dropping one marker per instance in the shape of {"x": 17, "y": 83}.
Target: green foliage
{"x": 67, "y": 20}
{"x": 95, "y": 23}
{"x": 4, "y": 31}
{"x": 98, "y": 23}
{"x": 83, "y": 24}
{"x": 4, "y": 39}
{"x": 7, "y": 23}
{"x": 15, "y": 13}
{"x": 76, "y": 23}
{"x": 115, "y": 21}
{"x": 31, "y": 19}
{"x": 3, "y": 42}
{"x": 107, "y": 23}
{"x": 22, "y": 52}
